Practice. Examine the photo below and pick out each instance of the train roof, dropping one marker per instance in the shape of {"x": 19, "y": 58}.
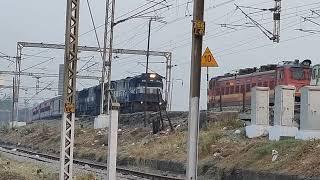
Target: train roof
{"x": 264, "y": 68}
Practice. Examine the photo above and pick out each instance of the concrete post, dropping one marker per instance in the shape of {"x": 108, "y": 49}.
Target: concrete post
{"x": 310, "y": 113}
{"x": 283, "y": 113}
{"x": 113, "y": 141}
{"x": 259, "y": 112}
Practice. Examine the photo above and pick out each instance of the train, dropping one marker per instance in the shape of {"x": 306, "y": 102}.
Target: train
{"x": 234, "y": 89}
{"x": 129, "y": 92}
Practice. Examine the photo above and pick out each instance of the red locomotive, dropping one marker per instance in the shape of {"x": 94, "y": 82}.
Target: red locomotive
{"x": 234, "y": 89}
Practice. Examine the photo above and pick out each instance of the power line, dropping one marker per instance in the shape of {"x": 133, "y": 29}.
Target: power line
{"x": 94, "y": 26}
{"x": 37, "y": 64}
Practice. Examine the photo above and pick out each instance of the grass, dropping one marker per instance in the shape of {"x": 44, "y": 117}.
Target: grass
{"x": 86, "y": 177}
{"x": 207, "y": 139}
{"x": 234, "y": 150}
{"x": 17, "y": 170}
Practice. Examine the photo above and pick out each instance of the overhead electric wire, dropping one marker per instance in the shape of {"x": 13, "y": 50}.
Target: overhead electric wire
{"x": 6, "y": 57}
{"x": 37, "y": 64}
{"x": 226, "y": 33}
{"x": 94, "y": 27}
{"x": 184, "y": 17}
{"x": 265, "y": 45}
{"x": 37, "y": 93}
{"x": 187, "y": 39}
{"x": 240, "y": 51}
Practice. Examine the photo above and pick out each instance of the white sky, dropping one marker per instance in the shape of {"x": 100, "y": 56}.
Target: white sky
{"x": 44, "y": 21}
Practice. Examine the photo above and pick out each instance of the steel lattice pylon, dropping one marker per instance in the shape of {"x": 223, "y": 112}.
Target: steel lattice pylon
{"x": 70, "y": 69}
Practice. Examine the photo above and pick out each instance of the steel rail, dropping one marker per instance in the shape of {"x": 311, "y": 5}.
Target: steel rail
{"x": 121, "y": 170}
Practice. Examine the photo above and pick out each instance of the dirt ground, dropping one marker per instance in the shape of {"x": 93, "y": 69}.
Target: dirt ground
{"x": 222, "y": 144}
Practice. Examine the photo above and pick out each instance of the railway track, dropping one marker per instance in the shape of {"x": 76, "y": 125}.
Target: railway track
{"x": 38, "y": 156}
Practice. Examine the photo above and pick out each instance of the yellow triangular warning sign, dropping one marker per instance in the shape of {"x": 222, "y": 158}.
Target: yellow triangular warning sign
{"x": 208, "y": 60}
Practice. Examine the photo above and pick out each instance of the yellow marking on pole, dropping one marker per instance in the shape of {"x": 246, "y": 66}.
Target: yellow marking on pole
{"x": 208, "y": 60}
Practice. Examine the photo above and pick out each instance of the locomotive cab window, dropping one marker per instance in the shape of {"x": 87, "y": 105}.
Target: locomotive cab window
{"x": 242, "y": 88}
{"x": 298, "y": 74}
{"x": 280, "y": 74}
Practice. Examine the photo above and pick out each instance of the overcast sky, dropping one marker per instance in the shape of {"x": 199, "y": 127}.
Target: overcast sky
{"x": 234, "y": 47}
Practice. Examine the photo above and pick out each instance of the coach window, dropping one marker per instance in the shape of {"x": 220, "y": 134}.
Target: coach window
{"x": 248, "y": 87}
{"x": 242, "y": 88}
{"x": 227, "y": 90}
{"x": 218, "y": 91}
{"x": 232, "y": 90}
{"x": 237, "y": 90}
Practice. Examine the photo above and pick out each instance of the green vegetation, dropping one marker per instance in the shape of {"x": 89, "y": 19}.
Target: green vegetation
{"x": 221, "y": 145}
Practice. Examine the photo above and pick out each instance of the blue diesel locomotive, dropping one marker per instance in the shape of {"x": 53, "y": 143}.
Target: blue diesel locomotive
{"x": 129, "y": 92}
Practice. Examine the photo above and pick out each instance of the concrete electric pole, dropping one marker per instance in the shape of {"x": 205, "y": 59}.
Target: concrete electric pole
{"x": 104, "y": 57}
{"x": 147, "y": 79}
{"x": 198, "y": 30}
{"x": 70, "y": 72}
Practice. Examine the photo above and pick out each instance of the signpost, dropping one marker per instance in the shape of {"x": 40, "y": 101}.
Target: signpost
{"x": 207, "y": 60}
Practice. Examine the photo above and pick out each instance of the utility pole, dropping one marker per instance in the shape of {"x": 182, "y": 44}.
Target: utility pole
{"x": 13, "y": 103}
{"x": 168, "y": 77}
{"x": 37, "y": 84}
{"x": 147, "y": 77}
{"x": 104, "y": 57}
{"x": 110, "y": 56}
{"x": 70, "y": 72}
{"x": 198, "y": 31}
{"x": 208, "y": 100}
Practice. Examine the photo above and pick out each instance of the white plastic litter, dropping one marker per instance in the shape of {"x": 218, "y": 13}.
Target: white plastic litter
{"x": 275, "y": 155}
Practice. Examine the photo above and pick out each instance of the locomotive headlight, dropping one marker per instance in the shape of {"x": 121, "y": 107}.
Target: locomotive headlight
{"x": 152, "y": 76}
